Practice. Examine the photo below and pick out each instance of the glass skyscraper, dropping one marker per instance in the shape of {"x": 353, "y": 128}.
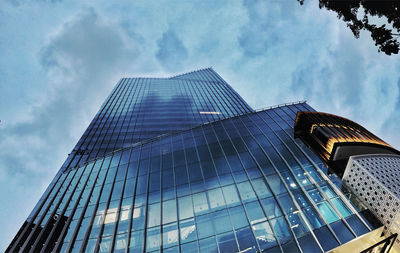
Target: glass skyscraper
{"x": 184, "y": 164}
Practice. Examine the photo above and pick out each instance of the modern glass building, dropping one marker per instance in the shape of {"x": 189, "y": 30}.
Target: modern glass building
{"x": 184, "y": 164}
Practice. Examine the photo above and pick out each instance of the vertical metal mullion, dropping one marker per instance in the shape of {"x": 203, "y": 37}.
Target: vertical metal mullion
{"x": 86, "y": 237}
{"x": 38, "y": 238}
{"x": 73, "y": 237}
{"x": 58, "y": 175}
{"x": 134, "y": 197}
{"x": 74, "y": 208}
{"x": 109, "y": 118}
{"x": 120, "y": 202}
{"x": 109, "y": 108}
{"x": 122, "y": 100}
{"x": 29, "y": 238}
{"x": 99, "y": 238}
{"x": 147, "y": 199}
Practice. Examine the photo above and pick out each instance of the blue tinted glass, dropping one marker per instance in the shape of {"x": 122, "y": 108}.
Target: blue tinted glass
{"x": 187, "y": 230}
{"x": 341, "y": 231}
{"x": 208, "y": 245}
{"x": 341, "y": 207}
{"x": 238, "y": 217}
{"x": 264, "y": 235}
{"x": 271, "y": 207}
{"x": 227, "y": 242}
{"x": 358, "y": 227}
{"x": 170, "y": 235}
{"x": 327, "y": 212}
{"x": 325, "y": 238}
{"x": 246, "y": 240}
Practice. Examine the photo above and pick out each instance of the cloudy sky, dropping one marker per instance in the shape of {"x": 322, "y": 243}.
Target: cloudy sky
{"x": 60, "y": 59}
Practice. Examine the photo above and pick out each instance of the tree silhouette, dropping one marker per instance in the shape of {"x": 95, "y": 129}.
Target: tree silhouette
{"x": 385, "y": 37}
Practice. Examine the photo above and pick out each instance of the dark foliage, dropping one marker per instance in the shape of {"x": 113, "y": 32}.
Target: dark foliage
{"x": 386, "y": 38}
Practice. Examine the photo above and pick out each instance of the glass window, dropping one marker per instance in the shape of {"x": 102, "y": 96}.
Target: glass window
{"x": 208, "y": 245}
{"x": 187, "y": 230}
{"x": 246, "y": 240}
{"x": 170, "y": 235}
{"x": 271, "y": 207}
{"x": 326, "y": 210}
{"x": 185, "y": 207}
{"x": 341, "y": 231}
{"x": 227, "y": 242}
{"x": 328, "y": 191}
{"x": 105, "y": 244}
{"x": 136, "y": 242}
{"x": 308, "y": 243}
{"x": 313, "y": 218}
{"x": 264, "y": 235}
{"x": 286, "y": 203}
{"x": 231, "y": 195}
{"x": 356, "y": 224}
{"x": 153, "y": 240}
{"x": 216, "y": 198}
{"x": 254, "y": 212}
{"x": 276, "y": 184}
{"x": 129, "y": 187}
{"x": 221, "y": 221}
{"x": 138, "y": 218}
{"x": 341, "y": 207}
{"x": 326, "y": 238}
{"x": 297, "y": 224}
{"x": 121, "y": 242}
{"x": 205, "y": 225}
{"x": 238, "y": 217}
{"x": 123, "y": 223}
{"x": 200, "y": 203}
{"x": 190, "y": 247}
{"x": 154, "y": 215}
{"x": 315, "y": 195}
{"x": 261, "y": 188}
{"x": 90, "y": 246}
{"x": 281, "y": 229}
{"x": 246, "y": 192}
{"x": 169, "y": 211}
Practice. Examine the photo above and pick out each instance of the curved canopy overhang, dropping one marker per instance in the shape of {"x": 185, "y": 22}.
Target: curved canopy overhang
{"x": 336, "y": 138}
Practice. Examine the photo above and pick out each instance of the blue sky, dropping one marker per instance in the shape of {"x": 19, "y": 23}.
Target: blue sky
{"x": 60, "y": 59}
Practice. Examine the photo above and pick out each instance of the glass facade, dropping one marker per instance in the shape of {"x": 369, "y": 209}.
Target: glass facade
{"x": 142, "y": 108}
{"x": 240, "y": 182}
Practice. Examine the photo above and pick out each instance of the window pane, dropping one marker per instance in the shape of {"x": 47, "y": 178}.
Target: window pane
{"x": 231, "y": 195}
{"x": 227, "y": 242}
{"x": 326, "y": 210}
{"x": 264, "y": 235}
{"x": 216, "y": 198}
{"x": 246, "y": 240}
{"x": 169, "y": 211}
{"x": 271, "y": 208}
{"x": 246, "y": 192}
{"x": 187, "y": 230}
{"x": 154, "y": 215}
{"x": 200, "y": 203}
{"x": 153, "y": 239}
{"x": 170, "y": 235}
{"x": 261, "y": 188}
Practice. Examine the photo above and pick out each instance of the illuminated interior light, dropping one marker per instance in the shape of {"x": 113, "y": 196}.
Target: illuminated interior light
{"x": 209, "y": 112}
